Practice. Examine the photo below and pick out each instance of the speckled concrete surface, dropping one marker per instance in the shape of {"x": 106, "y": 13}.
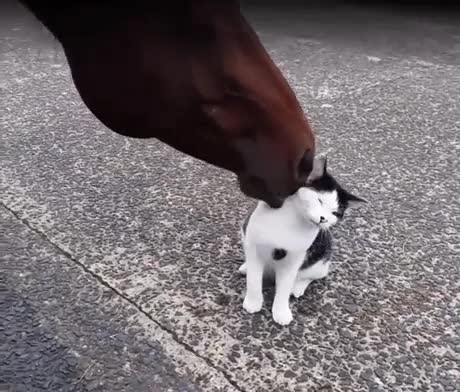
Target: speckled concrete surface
{"x": 161, "y": 229}
{"x": 67, "y": 331}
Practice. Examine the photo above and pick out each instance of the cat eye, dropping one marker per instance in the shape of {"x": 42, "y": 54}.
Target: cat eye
{"x": 335, "y": 213}
{"x": 320, "y": 201}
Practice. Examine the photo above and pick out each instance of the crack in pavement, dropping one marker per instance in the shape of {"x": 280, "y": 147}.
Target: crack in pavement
{"x": 121, "y": 295}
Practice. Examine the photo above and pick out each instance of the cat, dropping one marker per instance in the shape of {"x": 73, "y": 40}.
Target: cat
{"x": 292, "y": 243}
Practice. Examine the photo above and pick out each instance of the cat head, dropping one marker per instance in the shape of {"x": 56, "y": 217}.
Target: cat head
{"x": 323, "y": 199}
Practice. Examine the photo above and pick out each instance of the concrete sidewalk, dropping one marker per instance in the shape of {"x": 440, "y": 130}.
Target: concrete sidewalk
{"x": 119, "y": 257}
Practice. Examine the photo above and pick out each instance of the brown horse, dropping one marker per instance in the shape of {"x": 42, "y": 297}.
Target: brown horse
{"x": 193, "y": 74}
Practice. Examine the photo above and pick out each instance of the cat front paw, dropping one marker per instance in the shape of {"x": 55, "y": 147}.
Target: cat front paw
{"x": 242, "y": 270}
{"x": 252, "y": 305}
{"x": 283, "y": 316}
{"x": 300, "y": 287}
{"x": 298, "y": 291}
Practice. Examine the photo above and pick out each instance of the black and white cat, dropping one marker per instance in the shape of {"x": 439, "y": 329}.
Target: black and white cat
{"x": 292, "y": 243}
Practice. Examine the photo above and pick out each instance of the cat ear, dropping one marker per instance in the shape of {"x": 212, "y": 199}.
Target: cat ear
{"x": 352, "y": 199}
{"x": 319, "y": 168}
{"x": 325, "y": 164}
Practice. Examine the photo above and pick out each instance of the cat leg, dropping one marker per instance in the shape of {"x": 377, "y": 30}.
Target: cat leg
{"x": 300, "y": 286}
{"x": 285, "y": 274}
{"x": 319, "y": 270}
{"x": 243, "y": 268}
{"x": 253, "y": 299}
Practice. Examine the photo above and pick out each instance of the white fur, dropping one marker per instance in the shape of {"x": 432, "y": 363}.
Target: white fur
{"x": 319, "y": 270}
{"x": 293, "y": 227}
{"x": 320, "y": 204}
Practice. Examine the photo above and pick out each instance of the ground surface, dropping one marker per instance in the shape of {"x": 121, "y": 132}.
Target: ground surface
{"x": 119, "y": 257}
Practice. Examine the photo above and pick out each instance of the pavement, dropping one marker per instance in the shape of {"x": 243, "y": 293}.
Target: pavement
{"x": 119, "y": 257}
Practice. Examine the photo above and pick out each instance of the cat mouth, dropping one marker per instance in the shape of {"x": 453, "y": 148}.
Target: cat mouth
{"x": 319, "y": 225}
{"x": 315, "y": 223}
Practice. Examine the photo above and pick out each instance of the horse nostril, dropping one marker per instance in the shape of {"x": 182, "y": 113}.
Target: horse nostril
{"x": 305, "y": 165}
{"x": 322, "y": 219}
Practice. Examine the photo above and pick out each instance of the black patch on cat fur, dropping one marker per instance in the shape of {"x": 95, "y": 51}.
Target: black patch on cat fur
{"x": 279, "y": 254}
{"x": 321, "y": 249}
{"x": 327, "y": 183}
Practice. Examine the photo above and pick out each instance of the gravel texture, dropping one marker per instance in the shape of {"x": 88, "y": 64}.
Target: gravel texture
{"x": 63, "y": 329}
{"x": 119, "y": 270}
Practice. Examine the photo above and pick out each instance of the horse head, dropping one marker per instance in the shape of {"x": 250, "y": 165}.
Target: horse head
{"x": 193, "y": 74}
{"x": 244, "y": 94}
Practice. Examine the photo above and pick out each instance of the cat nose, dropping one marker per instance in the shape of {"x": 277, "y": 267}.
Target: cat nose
{"x": 322, "y": 219}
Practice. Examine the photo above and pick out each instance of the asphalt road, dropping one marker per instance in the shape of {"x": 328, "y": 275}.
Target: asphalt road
{"x": 119, "y": 257}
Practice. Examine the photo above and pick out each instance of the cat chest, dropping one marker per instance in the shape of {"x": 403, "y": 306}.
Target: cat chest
{"x": 279, "y": 231}
{"x": 268, "y": 241}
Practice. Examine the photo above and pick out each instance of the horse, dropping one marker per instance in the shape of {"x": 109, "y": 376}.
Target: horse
{"x": 192, "y": 74}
